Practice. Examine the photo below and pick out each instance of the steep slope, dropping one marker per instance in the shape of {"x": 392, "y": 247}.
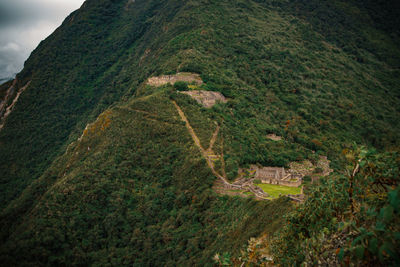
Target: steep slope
{"x": 73, "y": 75}
{"x": 134, "y": 189}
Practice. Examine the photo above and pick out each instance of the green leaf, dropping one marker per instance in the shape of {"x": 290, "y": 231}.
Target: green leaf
{"x": 373, "y": 245}
{"x": 341, "y": 254}
{"x": 380, "y": 226}
{"x": 226, "y": 259}
{"x": 381, "y": 253}
{"x": 394, "y": 198}
{"x": 356, "y": 240}
{"x": 397, "y": 235}
{"x": 359, "y": 251}
{"x": 388, "y": 213}
{"x": 386, "y": 250}
{"x": 371, "y": 212}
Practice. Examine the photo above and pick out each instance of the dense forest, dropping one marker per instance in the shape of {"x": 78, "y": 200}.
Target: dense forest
{"x": 97, "y": 168}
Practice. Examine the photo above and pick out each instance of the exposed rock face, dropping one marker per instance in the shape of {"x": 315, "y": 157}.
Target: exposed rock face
{"x": 206, "y": 98}
{"x": 5, "y": 110}
{"x": 179, "y": 77}
{"x": 274, "y": 137}
{"x": 9, "y": 94}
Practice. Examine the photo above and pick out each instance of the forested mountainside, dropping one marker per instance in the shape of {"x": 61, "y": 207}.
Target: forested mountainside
{"x": 98, "y": 168}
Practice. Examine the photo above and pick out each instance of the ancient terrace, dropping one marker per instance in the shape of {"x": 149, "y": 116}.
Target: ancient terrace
{"x": 205, "y": 98}
{"x": 172, "y": 79}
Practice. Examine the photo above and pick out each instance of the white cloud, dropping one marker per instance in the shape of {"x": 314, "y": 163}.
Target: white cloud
{"x": 11, "y": 46}
{"x": 23, "y": 24}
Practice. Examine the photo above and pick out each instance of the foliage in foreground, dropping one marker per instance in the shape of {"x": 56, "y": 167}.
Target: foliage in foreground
{"x": 351, "y": 218}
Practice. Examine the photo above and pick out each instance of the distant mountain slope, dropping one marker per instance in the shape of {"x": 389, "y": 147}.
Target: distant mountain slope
{"x": 321, "y": 74}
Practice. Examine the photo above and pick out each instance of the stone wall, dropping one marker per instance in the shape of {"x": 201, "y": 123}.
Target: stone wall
{"x": 206, "y": 98}
{"x": 172, "y": 79}
{"x": 282, "y": 182}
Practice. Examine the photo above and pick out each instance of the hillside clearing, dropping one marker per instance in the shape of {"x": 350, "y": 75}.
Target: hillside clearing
{"x": 276, "y": 190}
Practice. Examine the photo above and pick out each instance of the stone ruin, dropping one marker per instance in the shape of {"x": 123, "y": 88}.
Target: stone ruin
{"x": 292, "y": 177}
{"x": 276, "y": 175}
{"x": 172, "y": 79}
{"x": 206, "y": 98}
{"x": 307, "y": 168}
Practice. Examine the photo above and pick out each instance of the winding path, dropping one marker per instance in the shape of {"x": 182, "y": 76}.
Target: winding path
{"x": 208, "y": 154}
{"x": 204, "y": 153}
{"x": 213, "y": 139}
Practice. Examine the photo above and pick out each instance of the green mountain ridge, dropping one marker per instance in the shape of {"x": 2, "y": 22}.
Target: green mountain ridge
{"x": 97, "y": 167}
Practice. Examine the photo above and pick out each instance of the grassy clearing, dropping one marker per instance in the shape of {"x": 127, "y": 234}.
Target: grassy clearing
{"x": 274, "y": 190}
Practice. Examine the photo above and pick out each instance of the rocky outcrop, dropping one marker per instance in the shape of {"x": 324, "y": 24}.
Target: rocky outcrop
{"x": 274, "y": 137}
{"x": 5, "y": 110}
{"x": 206, "y": 98}
{"x": 8, "y": 96}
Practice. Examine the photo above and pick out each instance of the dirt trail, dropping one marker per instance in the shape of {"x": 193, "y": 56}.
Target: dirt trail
{"x": 147, "y": 115}
{"x": 209, "y": 155}
{"x": 213, "y": 139}
{"x": 196, "y": 140}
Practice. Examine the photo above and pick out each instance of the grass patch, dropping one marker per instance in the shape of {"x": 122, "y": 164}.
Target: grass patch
{"x": 234, "y": 191}
{"x": 274, "y": 190}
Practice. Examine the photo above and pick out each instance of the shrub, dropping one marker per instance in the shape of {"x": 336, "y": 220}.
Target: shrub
{"x": 318, "y": 170}
{"x": 181, "y": 86}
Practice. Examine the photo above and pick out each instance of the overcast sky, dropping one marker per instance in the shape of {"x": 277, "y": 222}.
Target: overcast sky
{"x": 23, "y": 24}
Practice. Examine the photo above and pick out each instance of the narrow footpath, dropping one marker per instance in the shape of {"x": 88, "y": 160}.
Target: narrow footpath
{"x": 208, "y": 155}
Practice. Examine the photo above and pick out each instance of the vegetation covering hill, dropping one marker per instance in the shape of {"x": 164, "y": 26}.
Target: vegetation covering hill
{"x": 131, "y": 188}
